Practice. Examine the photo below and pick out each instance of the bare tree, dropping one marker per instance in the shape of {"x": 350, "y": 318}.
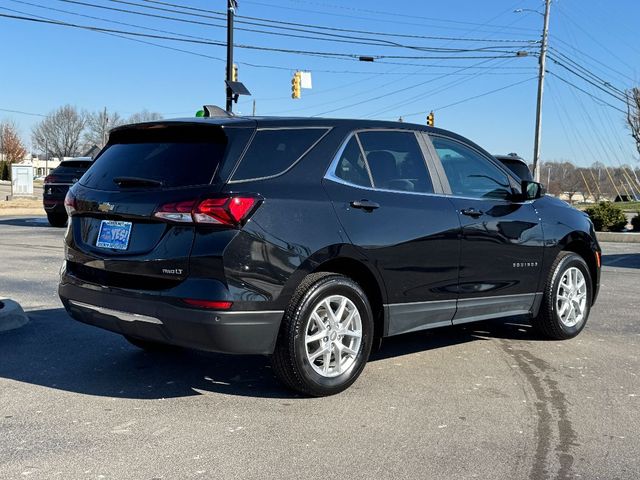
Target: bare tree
{"x": 564, "y": 179}
{"x": 98, "y": 126}
{"x": 572, "y": 182}
{"x": 11, "y": 147}
{"x": 633, "y": 114}
{"x": 60, "y": 132}
{"x": 144, "y": 116}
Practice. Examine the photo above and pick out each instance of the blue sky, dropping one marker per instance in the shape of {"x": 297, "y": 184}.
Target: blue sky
{"x": 46, "y": 66}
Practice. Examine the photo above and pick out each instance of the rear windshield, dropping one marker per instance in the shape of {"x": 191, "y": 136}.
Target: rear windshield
{"x": 177, "y": 156}
{"x": 75, "y": 165}
{"x": 273, "y": 151}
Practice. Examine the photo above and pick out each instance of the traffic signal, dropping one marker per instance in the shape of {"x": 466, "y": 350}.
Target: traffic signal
{"x": 295, "y": 85}
{"x": 431, "y": 119}
{"x": 234, "y": 73}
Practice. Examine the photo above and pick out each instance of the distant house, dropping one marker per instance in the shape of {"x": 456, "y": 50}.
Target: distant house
{"x": 43, "y": 166}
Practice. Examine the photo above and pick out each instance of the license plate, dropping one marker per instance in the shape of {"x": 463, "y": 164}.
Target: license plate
{"x": 114, "y": 234}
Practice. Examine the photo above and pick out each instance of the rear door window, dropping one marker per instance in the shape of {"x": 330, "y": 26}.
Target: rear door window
{"x": 351, "y": 167}
{"x": 274, "y": 151}
{"x": 177, "y": 156}
{"x": 395, "y": 161}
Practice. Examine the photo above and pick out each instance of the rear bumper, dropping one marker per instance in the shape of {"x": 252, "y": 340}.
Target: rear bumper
{"x": 149, "y": 316}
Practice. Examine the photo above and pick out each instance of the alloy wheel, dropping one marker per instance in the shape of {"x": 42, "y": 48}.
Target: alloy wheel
{"x": 571, "y": 297}
{"x": 333, "y": 336}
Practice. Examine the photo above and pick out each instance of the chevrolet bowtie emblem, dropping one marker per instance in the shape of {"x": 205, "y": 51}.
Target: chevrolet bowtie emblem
{"x": 105, "y": 207}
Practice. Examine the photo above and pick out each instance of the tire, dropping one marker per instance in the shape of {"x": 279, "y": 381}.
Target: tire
{"x": 292, "y": 360}
{"x": 554, "y": 320}
{"x": 148, "y": 345}
{"x": 57, "y": 219}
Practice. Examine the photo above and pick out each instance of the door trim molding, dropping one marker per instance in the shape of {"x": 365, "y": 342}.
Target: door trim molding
{"x": 411, "y": 317}
{"x": 415, "y": 316}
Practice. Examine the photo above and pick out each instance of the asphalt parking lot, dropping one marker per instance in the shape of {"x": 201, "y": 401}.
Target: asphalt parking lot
{"x": 487, "y": 401}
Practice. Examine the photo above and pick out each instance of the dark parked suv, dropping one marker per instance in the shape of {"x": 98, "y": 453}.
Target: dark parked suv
{"x": 56, "y": 185}
{"x": 311, "y": 239}
{"x": 516, "y": 164}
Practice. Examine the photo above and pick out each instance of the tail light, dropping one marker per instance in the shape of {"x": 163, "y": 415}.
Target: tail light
{"x": 51, "y": 179}
{"x": 228, "y": 211}
{"x": 70, "y": 203}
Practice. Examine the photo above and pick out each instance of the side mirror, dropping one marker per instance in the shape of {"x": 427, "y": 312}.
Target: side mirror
{"x": 531, "y": 190}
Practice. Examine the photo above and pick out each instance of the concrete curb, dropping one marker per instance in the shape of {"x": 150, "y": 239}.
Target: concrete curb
{"x": 618, "y": 237}
{"x": 11, "y": 315}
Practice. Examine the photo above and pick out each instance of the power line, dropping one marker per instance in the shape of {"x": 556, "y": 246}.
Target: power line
{"x": 211, "y": 57}
{"x": 593, "y": 39}
{"x": 413, "y": 86}
{"x": 394, "y": 14}
{"x": 21, "y": 112}
{"x": 588, "y": 80}
{"x": 595, "y": 60}
{"x": 335, "y": 55}
{"x": 614, "y": 133}
{"x": 360, "y": 17}
{"x": 310, "y": 35}
{"x": 336, "y": 29}
{"x": 599, "y": 100}
{"x": 378, "y": 97}
{"x": 59, "y": 10}
{"x": 435, "y": 91}
{"x": 472, "y": 98}
{"x": 111, "y": 32}
{"x": 587, "y": 72}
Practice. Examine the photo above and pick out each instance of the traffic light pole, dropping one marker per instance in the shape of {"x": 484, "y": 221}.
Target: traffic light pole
{"x": 231, "y": 9}
{"x": 542, "y": 62}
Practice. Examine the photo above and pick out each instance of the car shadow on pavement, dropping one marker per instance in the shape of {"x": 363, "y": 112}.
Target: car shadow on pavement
{"x": 57, "y": 352}
{"x": 27, "y": 222}
{"x": 622, "y": 260}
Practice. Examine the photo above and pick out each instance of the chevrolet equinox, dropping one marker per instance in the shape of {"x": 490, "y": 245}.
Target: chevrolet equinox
{"x": 310, "y": 240}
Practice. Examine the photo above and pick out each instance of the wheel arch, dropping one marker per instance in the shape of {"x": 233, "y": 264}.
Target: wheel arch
{"x": 588, "y": 249}
{"x": 363, "y": 276}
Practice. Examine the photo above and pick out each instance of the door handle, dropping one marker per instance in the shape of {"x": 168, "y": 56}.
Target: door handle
{"x": 366, "y": 205}
{"x": 471, "y": 212}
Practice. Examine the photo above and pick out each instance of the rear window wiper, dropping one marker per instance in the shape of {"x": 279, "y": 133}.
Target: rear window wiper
{"x": 137, "y": 182}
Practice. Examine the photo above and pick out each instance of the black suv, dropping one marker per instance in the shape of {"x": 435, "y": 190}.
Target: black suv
{"x": 56, "y": 185}
{"x": 516, "y": 164}
{"x": 311, "y": 239}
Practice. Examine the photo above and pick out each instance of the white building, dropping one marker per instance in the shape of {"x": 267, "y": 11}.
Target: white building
{"x": 43, "y": 167}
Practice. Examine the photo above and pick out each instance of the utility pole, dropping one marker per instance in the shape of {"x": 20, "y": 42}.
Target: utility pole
{"x": 105, "y": 125}
{"x": 254, "y": 108}
{"x": 542, "y": 61}
{"x": 231, "y": 10}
